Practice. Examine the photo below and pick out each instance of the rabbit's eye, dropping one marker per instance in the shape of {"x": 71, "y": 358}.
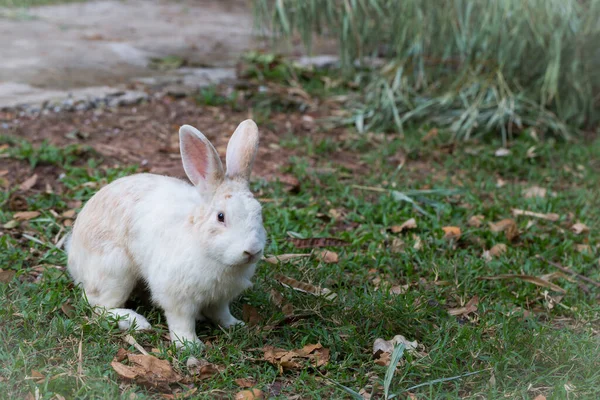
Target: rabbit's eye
{"x": 221, "y": 217}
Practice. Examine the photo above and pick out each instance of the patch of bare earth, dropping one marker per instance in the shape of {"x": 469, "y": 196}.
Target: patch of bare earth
{"x": 147, "y": 134}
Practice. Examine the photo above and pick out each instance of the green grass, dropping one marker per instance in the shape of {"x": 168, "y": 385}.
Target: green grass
{"x": 456, "y": 63}
{"x": 550, "y": 351}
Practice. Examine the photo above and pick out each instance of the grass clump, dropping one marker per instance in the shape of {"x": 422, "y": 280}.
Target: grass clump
{"x": 474, "y": 67}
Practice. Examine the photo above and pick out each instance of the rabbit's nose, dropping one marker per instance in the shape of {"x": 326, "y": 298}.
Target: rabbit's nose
{"x": 251, "y": 253}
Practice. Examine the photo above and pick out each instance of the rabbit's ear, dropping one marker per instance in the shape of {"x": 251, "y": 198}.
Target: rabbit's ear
{"x": 241, "y": 150}
{"x": 201, "y": 161}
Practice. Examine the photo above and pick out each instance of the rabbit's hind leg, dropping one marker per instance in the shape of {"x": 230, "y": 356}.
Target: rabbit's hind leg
{"x": 108, "y": 288}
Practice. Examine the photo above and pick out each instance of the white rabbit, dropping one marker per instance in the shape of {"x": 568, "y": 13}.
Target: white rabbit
{"x": 195, "y": 247}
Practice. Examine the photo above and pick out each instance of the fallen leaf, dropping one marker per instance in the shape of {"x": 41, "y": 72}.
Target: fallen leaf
{"x": 399, "y": 289}
{"x": 6, "y": 276}
{"x": 276, "y": 298}
{"x": 431, "y": 134}
{"x": 476, "y": 221}
{"x": 11, "y": 224}
{"x": 397, "y": 245}
{"x": 498, "y": 249}
{"x": 26, "y": 215}
{"x": 382, "y": 349}
{"x": 318, "y": 242}
{"x": 410, "y": 224}
{"x": 527, "y": 278}
{"x": 500, "y": 183}
{"x": 28, "y": 183}
{"x": 250, "y": 315}
{"x": 68, "y": 214}
{"x": 245, "y": 382}
{"x": 508, "y": 226}
{"x": 502, "y": 152}
{"x": 250, "y": 394}
{"x": 68, "y": 309}
{"x": 451, "y": 232}
{"x": 17, "y": 202}
{"x": 37, "y": 376}
{"x": 468, "y": 308}
{"x": 583, "y": 248}
{"x": 418, "y": 243}
{"x": 305, "y": 287}
{"x": 337, "y": 214}
{"x": 121, "y": 355}
{"x": 284, "y": 258}
{"x": 548, "y": 217}
{"x": 148, "y": 371}
{"x": 201, "y": 369}
{"x": 580, "y": 228}
{"x": 534, "y": 191}
{"x": 540, "y": 397}
{"x": 315, "y": 354}
{"x": 329, "y": 257}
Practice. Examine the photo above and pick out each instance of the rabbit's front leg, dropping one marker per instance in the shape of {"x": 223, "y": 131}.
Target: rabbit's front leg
{"x": 220, "y": 314}
{"x": 182, "y": 326}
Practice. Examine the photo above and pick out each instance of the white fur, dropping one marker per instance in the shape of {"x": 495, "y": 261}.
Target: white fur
{"x": 166, "y": 232}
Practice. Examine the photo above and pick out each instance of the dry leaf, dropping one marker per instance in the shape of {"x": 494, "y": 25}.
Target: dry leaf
{"x": 382, "y": 349}
{"x": 329, "y": 257}
{"x": 508, "y": 226}
{"x": 283, "y": 258}
{"x": 410, "y": 224}
{"x": 399, "y": 289}
{"x": 68, "y": 309}
{"x": 26, "y": 215}
{"x": 540, "y": 397}
{"x": 451, "y": 232}
{"x": 527, "y": 278}
{"x": 468, "y": 308}
{"x": 318, "y": 242}
{"x": 6, "y": 276}
{"x": 548, "y": 217}
{"x": 250, "y": 315}
{"x": 534, "y": 191}
{"x": 245, "y": 382}
{"x": 68, "y": 214}
{"x": 37, "y": 376}
{"x": 498, "y": 249}
{"x": 250, "y": 394}
{"x": 418, "y": 243}
{"x": 475, "y": 221}
{"x": 397, "y": 245}
{"x": 305, "y": 287}
{"x": 500, "y": 183}
{"x": 276, "y": 298}
{"x": 28, "y": 183}
{"x": 148, "y": 371}
{"x": 583, "y": 248}
{"x": 433, "y": 132}
{"x": 580, "y": 228}
{"x": 315, "y": 354}
{"x": 200, "y": 368}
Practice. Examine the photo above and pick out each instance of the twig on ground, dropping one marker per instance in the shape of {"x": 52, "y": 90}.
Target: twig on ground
{"x": 569, "y": 271}
{"x": 131, "y": 340}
